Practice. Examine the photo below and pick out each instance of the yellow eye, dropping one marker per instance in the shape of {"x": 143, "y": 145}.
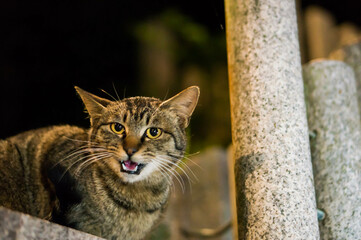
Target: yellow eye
{"x": 117, "y": 128}
{"x": 153, "y": 133}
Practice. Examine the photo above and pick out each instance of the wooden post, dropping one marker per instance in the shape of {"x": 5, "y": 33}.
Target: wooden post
{"x": 333, "y": 117}
{"x": 232, "y": 192}
{"x": 273, "y": 171}
{"x": 320, "y": 32}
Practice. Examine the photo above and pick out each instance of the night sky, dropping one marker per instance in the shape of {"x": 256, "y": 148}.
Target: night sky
{"x": 48, "y": 47}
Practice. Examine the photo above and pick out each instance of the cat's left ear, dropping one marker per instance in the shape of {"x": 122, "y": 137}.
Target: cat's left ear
{"x": 183, "y": 103}
{"x": 93, "y": 104}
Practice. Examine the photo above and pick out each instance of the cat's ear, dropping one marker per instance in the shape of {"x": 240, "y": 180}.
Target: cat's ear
{"x": 183, "y": 103}
{"x": 93, "y": 104}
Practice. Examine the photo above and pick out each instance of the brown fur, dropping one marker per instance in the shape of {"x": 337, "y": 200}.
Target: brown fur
{"x": 75, "y": 177}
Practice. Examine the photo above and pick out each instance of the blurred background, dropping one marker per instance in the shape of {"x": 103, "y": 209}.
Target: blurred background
{"x": 152, "y": 48}
{"x": 132, "y": 48}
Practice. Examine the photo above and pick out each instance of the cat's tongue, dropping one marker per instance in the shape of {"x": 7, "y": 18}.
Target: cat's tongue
{"x": 130, "y": 166}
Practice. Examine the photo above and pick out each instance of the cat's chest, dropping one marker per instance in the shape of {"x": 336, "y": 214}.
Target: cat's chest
{"x": 112, "y": 220}
{"x": 116, "y": 211}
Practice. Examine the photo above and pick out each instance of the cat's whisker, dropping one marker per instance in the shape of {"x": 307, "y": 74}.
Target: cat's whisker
{"x": 111, "y": 96}
{"x": 192, "y": 154}
{"x": 190, "y": 181}
{"x": 179, "y": 167}
{"x": 90, "y": 161}
{"x": 186, "y": 165}
{"x": 179, "y": 179}
{"x": 80, "y": 151}
{"x": 166, "y": 176}
{"x": 78, "y": 171}
{"x": 174, "y": 173}
{"x": 166, "y": 94}
{"x": 85, "y": 161}
{"x": 115, "y": 100}
{"x": 93, "y": 156}
{"x": 171, "y": 172}
{"x": 81, "y": 141}
{"x": 194, "y": 163}
{"x": 75, "y": 162}
{"x": 70, "y": 166}
{"x": 120, "y": 107}
{"x": 155, "y": 111}
{"x": 190, "y": 170}
{"x": 116, "y": 92}
{"x": 164, "y": 173}
{"x": 73, "y": 154}
{"x": 186, "y": 156}
{"x": 162, "y": 165}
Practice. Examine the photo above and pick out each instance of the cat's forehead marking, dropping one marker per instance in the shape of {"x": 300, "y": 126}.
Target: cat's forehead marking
{"x": 136, "y": 112}
{"x": 134, "y": 103}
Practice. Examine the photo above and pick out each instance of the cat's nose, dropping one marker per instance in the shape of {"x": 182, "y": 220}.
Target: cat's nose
{"x": 131, "y": 145}
{"x": 131, "y": 151}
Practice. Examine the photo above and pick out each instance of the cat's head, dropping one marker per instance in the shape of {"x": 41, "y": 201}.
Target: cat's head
{"x": 140, "y": 136}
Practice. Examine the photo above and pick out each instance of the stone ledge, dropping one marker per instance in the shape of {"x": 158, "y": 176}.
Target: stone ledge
{"x": 19, "y": 226}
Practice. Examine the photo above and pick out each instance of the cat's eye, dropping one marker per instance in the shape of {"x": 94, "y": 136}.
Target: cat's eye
{"x": 117, "y": 128}
{"x": 153, "y": 132}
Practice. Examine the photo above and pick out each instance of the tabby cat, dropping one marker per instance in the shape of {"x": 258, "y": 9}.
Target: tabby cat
{"x": 112, "y": 180}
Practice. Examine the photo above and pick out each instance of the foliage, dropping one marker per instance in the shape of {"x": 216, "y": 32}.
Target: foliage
{"x": 199, "y": 58}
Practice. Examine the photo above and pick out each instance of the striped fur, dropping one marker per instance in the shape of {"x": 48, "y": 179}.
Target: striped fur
{"x": 74, "y": 176}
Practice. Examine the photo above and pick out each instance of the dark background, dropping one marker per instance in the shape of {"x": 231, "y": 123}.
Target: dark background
{"x": 48, "y": 47}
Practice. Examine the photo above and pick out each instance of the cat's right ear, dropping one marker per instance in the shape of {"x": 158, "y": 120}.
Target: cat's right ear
{"x": 93, "y": 104}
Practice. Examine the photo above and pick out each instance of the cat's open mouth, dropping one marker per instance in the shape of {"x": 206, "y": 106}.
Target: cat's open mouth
{"x": 131, "y": 167}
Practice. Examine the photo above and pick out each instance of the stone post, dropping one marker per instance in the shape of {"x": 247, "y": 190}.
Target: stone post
{"x": 273, "y": 171}
{"x": 334, "y": 119}
{"x": 19, "y": 226}
{"x": 351, "y": 54}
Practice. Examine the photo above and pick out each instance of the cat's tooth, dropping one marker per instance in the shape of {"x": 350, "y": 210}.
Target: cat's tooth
{"x": 124, "y": 167}
{"x": 127, "y": 169}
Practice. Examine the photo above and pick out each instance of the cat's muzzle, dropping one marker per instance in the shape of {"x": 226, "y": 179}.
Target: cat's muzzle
{"x": 131, "y": 167}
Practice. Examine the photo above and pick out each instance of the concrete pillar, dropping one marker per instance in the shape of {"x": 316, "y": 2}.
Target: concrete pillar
{"x": 19, "y": 226}
{"x": 351, "y": 54}
{"x": 333, "y": 118}
{"x": 273, "y": 171}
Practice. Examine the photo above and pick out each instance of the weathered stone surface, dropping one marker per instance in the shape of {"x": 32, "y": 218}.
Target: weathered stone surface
{"x": 274, "y": 182}
{"x": 334, "y": 119}
{"x": 351, "y": 54}
{"x": 18, "y": 226}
